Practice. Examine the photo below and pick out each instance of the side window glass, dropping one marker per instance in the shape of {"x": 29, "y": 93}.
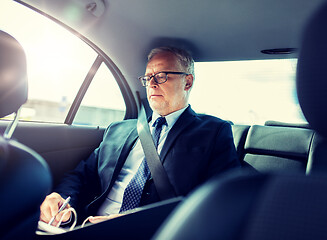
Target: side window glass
{"x": 57, "y": 64}
{"x": 103, "y": 102}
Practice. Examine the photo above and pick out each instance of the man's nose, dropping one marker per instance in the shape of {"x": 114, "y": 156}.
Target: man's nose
{"x": 152, "y": 82}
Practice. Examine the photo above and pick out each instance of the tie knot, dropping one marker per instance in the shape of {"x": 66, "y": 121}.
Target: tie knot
{"x": 160, "y": 122}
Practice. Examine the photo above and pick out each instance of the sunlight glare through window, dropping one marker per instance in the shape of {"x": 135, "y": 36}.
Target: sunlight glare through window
{"x": 247, "y": 92}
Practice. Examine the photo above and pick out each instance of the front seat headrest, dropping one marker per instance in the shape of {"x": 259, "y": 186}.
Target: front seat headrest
{"x": 13, "y": 75}
{"x": 312, "y": 71}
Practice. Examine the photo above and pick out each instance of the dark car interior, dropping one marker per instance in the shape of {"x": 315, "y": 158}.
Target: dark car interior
{"x": 279, "y": 193}
{"x": 24, "y": 175}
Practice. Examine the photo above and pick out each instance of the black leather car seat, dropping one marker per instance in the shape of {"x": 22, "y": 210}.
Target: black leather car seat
{"x": 25, "y": 178}
{"x": 269, "y": 206}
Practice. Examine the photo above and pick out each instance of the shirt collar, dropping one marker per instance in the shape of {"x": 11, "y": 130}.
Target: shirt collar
{"x": 170, "y": 118}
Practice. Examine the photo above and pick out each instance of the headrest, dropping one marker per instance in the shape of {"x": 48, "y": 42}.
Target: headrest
{"x": 312, "y": 71}
{"x": 13, "y": 75}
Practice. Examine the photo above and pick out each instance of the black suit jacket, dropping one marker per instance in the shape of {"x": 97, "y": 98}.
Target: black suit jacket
{"x": 197, "y": 148}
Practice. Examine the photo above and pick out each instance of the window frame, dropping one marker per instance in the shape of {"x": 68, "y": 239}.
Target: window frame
{"x": 130, "y": 101}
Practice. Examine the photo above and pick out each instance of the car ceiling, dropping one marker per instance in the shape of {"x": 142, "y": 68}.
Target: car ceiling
{"x": 213, "y": 30}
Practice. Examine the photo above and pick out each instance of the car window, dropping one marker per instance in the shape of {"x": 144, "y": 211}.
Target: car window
{"x": 102, "y": 103}
{"x": 247, "y": 92}
{"x": 58, "y": 62}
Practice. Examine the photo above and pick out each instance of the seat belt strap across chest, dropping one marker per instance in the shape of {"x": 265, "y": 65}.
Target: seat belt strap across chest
{"x": 159, "y": 175}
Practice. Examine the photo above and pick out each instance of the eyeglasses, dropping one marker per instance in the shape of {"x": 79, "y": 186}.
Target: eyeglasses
{"x": 159, "y": 77}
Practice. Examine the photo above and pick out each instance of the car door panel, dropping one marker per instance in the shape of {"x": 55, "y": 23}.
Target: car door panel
{"x": 62, "y": 146}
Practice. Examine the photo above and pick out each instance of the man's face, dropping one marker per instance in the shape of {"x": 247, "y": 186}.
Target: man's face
{"x": 172, "y": 95}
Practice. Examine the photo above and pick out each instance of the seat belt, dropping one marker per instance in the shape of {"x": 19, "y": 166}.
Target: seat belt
{"x": 158, "y": 173}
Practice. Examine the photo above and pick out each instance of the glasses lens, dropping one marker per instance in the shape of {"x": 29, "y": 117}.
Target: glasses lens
{"x": 161, "y": 77}
{"x": 144, "y": 80}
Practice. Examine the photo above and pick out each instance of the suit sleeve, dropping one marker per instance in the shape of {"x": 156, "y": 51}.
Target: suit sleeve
{"x": 82, "y": 184}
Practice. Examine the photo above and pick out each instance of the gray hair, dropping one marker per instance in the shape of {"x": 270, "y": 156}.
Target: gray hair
{"x": 183, "y": 56}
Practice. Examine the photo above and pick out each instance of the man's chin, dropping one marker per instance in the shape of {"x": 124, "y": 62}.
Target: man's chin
{"x": 157, "y": 107}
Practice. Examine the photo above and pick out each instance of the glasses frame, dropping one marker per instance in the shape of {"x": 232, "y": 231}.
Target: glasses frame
{"x": 145, "y": 83}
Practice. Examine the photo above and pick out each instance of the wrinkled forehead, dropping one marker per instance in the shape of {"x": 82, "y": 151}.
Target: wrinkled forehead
{"x": 164, "y": 62}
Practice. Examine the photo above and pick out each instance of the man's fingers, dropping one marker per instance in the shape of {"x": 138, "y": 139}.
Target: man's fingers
{"x": 50, "y": 206}
{"x": 111, "y": 216}
{"x": 46, "y": 211}
{"x": 65, "y": 215}
{"x": 98, "y": 219}
{"x": 45, "y": 215}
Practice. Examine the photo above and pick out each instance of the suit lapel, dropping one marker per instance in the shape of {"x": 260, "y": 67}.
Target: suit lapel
{"x": 187, "y": 117}
{"x": 128, "y": 144}
{"x": 112, "y": 172}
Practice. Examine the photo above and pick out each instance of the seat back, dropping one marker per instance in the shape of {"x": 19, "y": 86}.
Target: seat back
{"x": 275, "y": 148}
{"x": 272, "y": 149}
{"x": 25, "y": 178}
{"x": 239, "y": 135}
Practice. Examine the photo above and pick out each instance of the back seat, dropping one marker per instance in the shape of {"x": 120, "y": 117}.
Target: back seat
{"x": 239, "y": 133}
{"x": 274, "y": 148}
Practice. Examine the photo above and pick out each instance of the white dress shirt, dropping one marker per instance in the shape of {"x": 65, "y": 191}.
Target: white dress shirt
{"x": 114, "y": 200}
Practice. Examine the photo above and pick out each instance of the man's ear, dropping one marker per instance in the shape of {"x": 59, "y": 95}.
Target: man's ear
{"x": 189, "y": 82}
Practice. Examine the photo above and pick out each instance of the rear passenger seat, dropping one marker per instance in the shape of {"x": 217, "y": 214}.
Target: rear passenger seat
{"x": 274, "y": 148}
{"x": 239, "y": 133}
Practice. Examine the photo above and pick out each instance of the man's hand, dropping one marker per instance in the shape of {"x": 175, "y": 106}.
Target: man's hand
{"x": 50, "y": 208}
{"x": 98, "y": 219}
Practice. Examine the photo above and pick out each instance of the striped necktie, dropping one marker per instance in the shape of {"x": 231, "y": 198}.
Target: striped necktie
{"x": 134, "y": 189}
